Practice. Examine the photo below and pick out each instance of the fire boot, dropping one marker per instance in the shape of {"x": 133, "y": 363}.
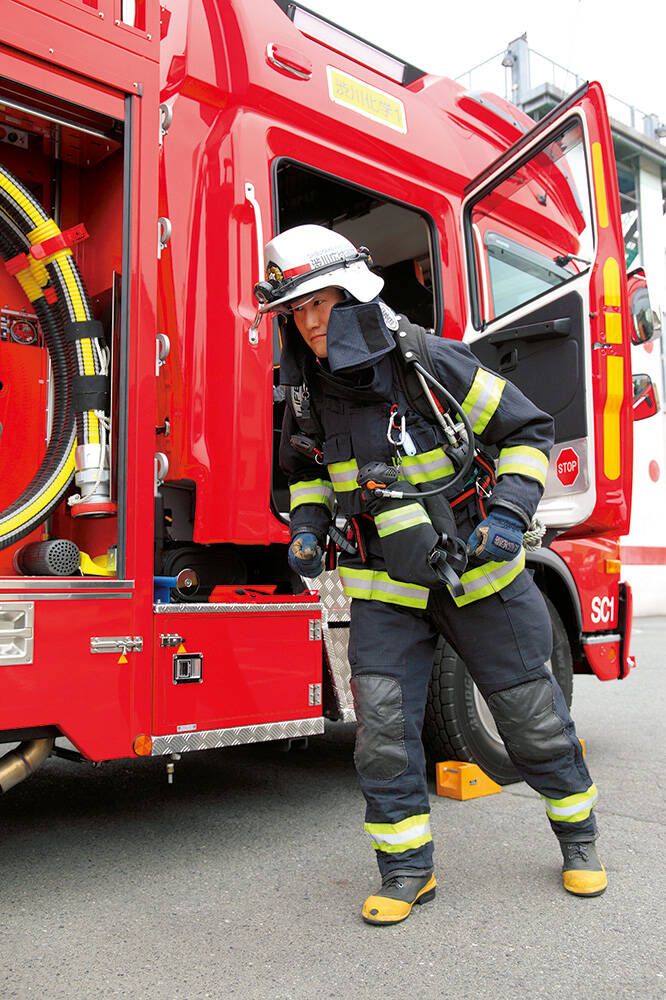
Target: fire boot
{"x": 582, "y": 871}
{"x": 398, "y": 893}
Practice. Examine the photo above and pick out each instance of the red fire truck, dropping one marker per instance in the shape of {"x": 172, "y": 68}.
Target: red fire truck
{"x": 147, "y": 153}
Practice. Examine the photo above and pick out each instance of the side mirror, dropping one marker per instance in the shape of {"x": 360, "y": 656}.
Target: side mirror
{"x": 647, "y": 323}
{"x": 646, "y": 400}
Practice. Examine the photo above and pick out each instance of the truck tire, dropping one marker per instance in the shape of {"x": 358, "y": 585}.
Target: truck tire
{"x": 458, "y": 724}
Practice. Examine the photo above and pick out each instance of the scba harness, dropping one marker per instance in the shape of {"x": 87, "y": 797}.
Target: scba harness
{"x": 392, "y": 503}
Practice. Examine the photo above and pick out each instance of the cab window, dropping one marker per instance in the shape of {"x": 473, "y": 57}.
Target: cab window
{"x": 398, "y": 236}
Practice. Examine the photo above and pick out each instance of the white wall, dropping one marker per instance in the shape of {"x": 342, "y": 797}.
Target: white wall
{"x": 644, "y": 548}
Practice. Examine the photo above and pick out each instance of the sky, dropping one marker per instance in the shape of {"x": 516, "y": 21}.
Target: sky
{"x": 620, "y": 44}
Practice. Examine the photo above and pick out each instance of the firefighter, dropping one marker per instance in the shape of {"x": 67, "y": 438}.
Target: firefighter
{"x": 346, "y": 403}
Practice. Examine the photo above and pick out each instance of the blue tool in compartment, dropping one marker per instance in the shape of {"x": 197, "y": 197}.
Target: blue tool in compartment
{"x": 186, "y": 583}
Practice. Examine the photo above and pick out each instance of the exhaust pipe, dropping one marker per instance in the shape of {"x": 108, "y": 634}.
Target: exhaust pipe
{"x": 19, "y": 763}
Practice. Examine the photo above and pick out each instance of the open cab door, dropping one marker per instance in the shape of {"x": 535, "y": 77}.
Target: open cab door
{"x": 549, "y": 310}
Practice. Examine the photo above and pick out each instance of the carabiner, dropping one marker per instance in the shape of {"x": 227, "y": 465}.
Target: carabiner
{"x": 482, "y": 488}
{"x": 395, "y": 428}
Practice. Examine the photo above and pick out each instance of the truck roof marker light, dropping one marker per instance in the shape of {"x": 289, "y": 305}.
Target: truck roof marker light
{"x": 143, "y": 745}
{"x": 289, "y": 61}
{"x": 348, "y": 45}
{"x": 600, "y": 184}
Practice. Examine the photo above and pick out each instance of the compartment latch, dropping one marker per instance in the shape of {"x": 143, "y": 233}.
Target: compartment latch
{"x": 171, "y": 639}
{"x": 188, "y": 668}
{"x": 116, "y": 644}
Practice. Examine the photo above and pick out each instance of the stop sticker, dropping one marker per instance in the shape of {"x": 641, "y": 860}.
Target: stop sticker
{"x": 567, "y": 466}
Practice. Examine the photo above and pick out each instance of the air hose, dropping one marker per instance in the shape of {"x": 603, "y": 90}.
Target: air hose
{"x": 37, "y": 254}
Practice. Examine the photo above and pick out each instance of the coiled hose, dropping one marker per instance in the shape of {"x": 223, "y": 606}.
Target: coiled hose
{"x": 73, "y": 339}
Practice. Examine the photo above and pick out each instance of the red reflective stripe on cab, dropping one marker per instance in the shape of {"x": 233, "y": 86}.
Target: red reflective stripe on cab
{"x": 643, "y": 555}
{"x": 293, "y": 271}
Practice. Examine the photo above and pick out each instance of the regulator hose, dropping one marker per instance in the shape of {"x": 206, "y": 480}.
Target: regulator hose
{"x": 77, "y": 352}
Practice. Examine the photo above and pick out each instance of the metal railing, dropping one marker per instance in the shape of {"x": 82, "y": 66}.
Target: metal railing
{"x": 498, "y": 74}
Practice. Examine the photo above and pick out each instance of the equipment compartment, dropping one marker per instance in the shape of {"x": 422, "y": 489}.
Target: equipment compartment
{"x": 62, "y": 189}
{"x": 223, "y": 666}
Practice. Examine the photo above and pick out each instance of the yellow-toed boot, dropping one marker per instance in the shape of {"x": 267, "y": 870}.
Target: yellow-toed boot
{"x": 582, "y": 871}
{"x": 398, "y": 893}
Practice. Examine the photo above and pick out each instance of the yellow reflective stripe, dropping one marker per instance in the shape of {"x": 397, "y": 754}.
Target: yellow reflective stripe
{"x": 523, "y": 461}
{"x": 426, "y": 467}
{"x": 343, "y": 475}
{"x": 612, "y": 300}
{"x": 573, "y": 808}
{"x": 599, "y": 184}
{"x": 398, "y": 520}
{"x": 375, "y": 585}
{"x": 403, "y": 836}
{"x": 483, "y": 399}
{"x": 489, "y": 579}
{"x": 409, "y": 845}
{"x": 422, "y": 819}
{"x": 612, "y": 295}
{"x": 612, "y": 408}
{"x": 613, "y": 328}
{"x": 311, "y": 491}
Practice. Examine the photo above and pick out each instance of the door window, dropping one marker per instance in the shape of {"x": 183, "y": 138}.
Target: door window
{"x": 532, "y": 232}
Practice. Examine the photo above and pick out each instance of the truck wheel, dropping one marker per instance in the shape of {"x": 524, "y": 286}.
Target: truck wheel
{"x": 458, "y": 724}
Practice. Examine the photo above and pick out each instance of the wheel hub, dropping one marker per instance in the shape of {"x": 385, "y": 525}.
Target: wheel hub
{"x": 485, "y": 718}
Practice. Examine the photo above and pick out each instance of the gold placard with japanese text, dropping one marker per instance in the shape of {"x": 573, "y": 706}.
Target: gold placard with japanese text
{"x": 366, "y": 100}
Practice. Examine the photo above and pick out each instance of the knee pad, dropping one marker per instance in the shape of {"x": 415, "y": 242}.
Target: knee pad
{"x": 528, "y": 722}
{"x": 380, "y": 737}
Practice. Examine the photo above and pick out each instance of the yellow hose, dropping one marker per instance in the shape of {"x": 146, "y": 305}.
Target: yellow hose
{"x": 33, "y": 279}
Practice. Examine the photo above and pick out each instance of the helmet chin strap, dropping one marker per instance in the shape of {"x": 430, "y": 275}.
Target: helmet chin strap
{"x": 291, "y": 305}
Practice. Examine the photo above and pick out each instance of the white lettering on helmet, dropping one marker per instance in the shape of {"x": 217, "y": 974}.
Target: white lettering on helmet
{"x": 328, "y": 257}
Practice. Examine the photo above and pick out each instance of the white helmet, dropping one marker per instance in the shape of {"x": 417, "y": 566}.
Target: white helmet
{"x": 307, "y": 258}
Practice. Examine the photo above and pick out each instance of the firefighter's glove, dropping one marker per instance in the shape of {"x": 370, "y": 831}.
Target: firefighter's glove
{"x": 305, "y": 555}
{"x": 499, "y": 537}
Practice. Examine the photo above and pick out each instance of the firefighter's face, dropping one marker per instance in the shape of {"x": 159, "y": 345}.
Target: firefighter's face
{"x": 311, "y": 315}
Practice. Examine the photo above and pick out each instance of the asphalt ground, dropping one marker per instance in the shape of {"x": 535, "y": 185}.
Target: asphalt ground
{"x": 244, "y": 878}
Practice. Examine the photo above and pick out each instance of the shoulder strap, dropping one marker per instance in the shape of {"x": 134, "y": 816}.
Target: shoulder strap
{"x": 299, "y": 401}
{"x": 412, "y": 345}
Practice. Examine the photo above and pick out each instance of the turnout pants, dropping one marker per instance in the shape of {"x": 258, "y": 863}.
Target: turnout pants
{"x": 505, "y": 640}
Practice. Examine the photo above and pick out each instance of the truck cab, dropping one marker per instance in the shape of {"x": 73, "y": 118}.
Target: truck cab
{"x": 181, "y": 138}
